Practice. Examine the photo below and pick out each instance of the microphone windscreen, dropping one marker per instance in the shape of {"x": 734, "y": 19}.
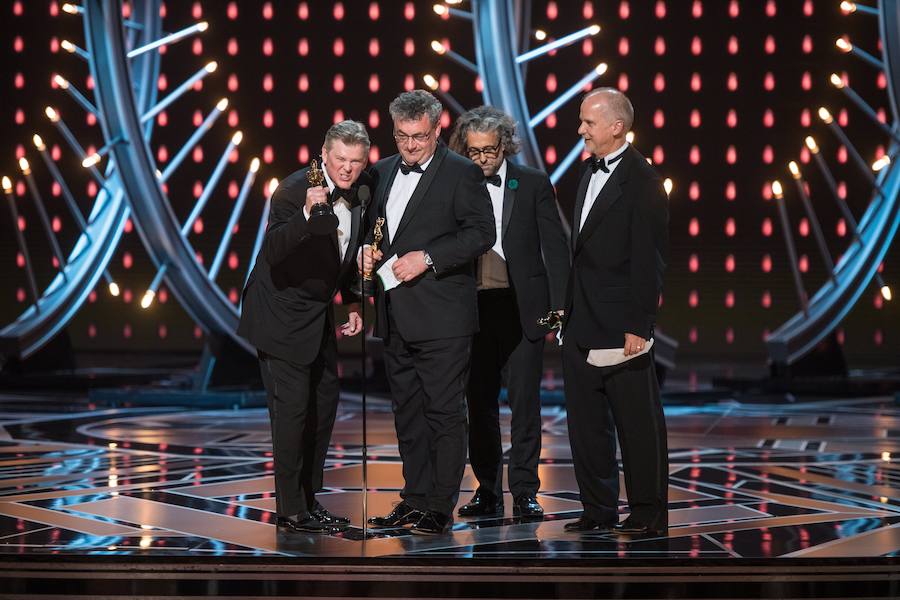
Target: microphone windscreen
{"x": 364, "y": 195}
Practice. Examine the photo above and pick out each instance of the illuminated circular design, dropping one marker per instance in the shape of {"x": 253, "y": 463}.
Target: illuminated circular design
{"x": 859, "y": 264}
{"x": 86, "y": 262}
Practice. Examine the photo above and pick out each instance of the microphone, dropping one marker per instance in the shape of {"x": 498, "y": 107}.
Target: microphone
{"x": 364, "y": 195}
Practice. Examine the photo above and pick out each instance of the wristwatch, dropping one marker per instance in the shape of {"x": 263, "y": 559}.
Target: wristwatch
{"x": 428, "y": 262}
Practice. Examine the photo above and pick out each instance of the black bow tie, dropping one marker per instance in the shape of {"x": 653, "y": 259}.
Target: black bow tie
{"x": 493, "y": 179}
{"x": 407, "y": 169}
{"x": 602, "y": 164}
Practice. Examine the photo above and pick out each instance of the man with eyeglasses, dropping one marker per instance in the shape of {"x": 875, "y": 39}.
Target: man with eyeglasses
{"x": 438, "y": 220}
{"x": 520, "y": 279}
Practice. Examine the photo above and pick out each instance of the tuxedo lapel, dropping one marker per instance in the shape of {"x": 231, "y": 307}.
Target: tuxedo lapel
{"x": 509, "y": 198}
{"x": 608, "y": 196}
{"x": 421, "y": 189}
{"x": 384, "y": 192}
{"x": 354, "y": 234}
{"x": 579, "y": 203}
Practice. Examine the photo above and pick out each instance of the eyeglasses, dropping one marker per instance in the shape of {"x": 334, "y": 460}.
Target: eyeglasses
{"x": 487, "y": 151}
{"x": 402, "y": 138}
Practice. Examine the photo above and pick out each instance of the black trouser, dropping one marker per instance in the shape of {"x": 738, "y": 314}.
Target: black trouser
{"x": 427, "y": 381}
{"x": 302, "y": 407}
{"x": 501, "y": 344}
{"x": 624, "y": 399}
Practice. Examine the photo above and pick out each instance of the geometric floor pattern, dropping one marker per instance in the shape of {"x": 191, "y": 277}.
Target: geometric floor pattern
{"x": 810, "y": 479}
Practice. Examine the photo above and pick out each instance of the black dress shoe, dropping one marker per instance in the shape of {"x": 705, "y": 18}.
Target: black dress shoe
{"x": 634, "y": 527}
{"x": 432, "y": 523}
{"x": 589, "y": 524}
{"x": 482, "y": 504}
{"x": 306, "y": 523}
{"x": 322, "y": 514}
{"x": 527, "y": 505}
{"x": 403, "y": 514}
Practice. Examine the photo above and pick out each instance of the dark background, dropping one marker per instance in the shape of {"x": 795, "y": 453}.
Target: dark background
{"x": 802, "y": 48}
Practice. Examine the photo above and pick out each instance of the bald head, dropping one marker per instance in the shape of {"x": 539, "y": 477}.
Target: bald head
{"x": 614, "y": 103}
{"x": 606, "y": 116}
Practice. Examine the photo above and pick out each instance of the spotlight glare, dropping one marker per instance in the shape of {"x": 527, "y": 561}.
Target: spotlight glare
{"x": 594, "y": 29}
{"x": 438, "y": 47}
{"x": 886, "y": 292}
{"x": 273, "y": 185}
{"x": 68, "y": 46}
{"x": 147, "y": 300}
{"x": 211, "y": 66}
{"x": 881, "y": 163}
{"x": 777, "y": 190}
{"x": 843, "y": 44}
{"x": 90, "y": 161}
{"x": 222, "y": 104}
{"x": 440, "y": 9}
{"x": 794, "y": 169}
{"x": 825, "y": 115}
{"x": 236, "y": 138}
{"x": 38, "y": 142}
{"x": 254, "y": 165}
{"x": 7, "y": 185}
{"x": 540, "y": 35}
{"x": 811, "y": 144}
{"x": 202, "y": 26}
{"x": 836, "y": 81}
{"x": 430, "y": 81}
{"x": 629, "y": 137}
{"x": 848, "y": 7}
{"x": 668, "y": 185}
{"x": 61, "y": 81}
{"x": 51, "y": 114}
{"x": 114, "y": 288}
{"x": 24, "y": 166}
{"x": 70, "y": 8}
{"x": 601, "y": 68}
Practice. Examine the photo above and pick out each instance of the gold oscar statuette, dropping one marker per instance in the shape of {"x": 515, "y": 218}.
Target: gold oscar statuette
{"x": 322, "y": 220}
{"x": 378, "y": 235}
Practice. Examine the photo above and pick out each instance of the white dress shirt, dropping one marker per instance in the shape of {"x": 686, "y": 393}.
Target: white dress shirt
{"x": 401, "y": 191}
{"x": 342, "y": 211}
{"x": 598, "y": 180}
{"x": 496, "y": 193}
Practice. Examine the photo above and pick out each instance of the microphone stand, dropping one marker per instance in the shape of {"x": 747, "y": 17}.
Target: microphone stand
{"x": 364, "y": 204}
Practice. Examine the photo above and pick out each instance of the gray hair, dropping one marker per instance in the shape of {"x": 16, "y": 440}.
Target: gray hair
{"x": 617, "y": 103}
{"x": 485, "y": 119}
{"x": 410, "y": 106}
{"x": 349, "y": 132}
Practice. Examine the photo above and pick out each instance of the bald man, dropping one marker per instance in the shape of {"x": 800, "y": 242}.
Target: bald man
{"x": 619, "y": 243}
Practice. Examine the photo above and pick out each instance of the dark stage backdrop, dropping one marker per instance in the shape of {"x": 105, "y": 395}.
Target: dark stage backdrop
{"x": 724, "y": 92}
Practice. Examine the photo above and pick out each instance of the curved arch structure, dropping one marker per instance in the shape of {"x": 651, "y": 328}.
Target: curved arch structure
{"x": 877, "y": 229}
{"x": 157, "y": 224}
{"x": 94, "y": 248}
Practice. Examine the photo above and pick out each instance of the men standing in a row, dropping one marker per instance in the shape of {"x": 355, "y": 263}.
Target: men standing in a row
{"x": 519, "y": 280}
{"x": 438, "y": 220}
{"x": 288, "y": 316}
{"x": 620, "y": 245}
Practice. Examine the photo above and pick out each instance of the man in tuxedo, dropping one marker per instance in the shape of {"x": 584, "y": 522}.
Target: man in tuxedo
{"x": 438, "y": 220}
{"x": 620, "y": 246}
{"x": 519, "y": 280}
{"x": 288, "y": 315}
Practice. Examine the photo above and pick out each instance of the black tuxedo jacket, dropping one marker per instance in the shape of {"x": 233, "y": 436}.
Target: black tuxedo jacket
{"x": 535, "y": 246}
{"x": 449, "y": 216}
{"x": 618, "y": 257}
{"x": 287, "y": 301}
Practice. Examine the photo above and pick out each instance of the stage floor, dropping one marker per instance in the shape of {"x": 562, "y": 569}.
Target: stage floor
{"x": 815, "y": 479}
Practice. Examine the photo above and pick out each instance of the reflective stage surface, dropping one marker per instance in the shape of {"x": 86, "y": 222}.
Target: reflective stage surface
{"x": 805, "y": 480}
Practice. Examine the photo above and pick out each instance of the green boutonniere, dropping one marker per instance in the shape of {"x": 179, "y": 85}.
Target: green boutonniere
{"x": 513, "y": 184}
